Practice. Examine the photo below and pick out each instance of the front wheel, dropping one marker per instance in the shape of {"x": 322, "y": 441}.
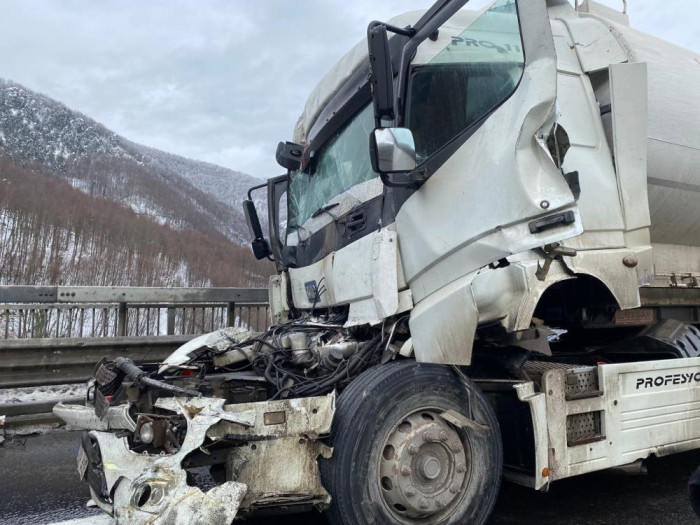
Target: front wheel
{"x": 399, "y": 458}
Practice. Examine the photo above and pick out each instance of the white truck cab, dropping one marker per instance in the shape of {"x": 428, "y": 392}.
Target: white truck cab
{"x": 487, "y": 247}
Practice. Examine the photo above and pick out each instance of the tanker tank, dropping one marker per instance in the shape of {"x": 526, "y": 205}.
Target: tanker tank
{"x": 673, "y": 155}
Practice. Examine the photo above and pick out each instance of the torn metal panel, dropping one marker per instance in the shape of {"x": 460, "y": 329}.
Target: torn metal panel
{"x": 308, "y": 417}
{"x": 201, "y": 410}
{"x": 280, "y": 471}
{"x": 162, "y": 496}
{"x": 498, "y": 292}
{"x": 153, "y": 489}
{"x": 220, "y": 340}
{"x": 443, "y": 325}
{"x": 79, "y": 416}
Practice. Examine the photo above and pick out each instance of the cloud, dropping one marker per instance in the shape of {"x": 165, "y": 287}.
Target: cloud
{"x": 221, "y": 81}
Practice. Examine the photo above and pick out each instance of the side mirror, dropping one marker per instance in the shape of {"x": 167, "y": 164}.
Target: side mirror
{"x": 381, "y": 74}
{"x": 261, "y": 248}
{"x": 289, "y": 155}
{"x": 392, "y": 150}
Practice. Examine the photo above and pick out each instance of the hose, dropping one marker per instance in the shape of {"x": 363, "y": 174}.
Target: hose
{"x": 138, "y": 376}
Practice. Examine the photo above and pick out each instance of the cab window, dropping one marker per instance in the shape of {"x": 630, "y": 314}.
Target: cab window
{"x": 472, "y": 66}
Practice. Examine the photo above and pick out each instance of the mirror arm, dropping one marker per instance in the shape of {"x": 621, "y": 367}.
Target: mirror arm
{"x": 403, "y": 31}
{"x": 251, "y": 190}
{"x": 410, "y": 184}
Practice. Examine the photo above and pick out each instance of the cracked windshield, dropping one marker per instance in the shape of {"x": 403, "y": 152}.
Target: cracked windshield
{"x": 341, "y": 164}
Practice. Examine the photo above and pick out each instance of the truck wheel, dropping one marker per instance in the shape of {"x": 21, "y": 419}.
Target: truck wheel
{"x": 396, "y": 460}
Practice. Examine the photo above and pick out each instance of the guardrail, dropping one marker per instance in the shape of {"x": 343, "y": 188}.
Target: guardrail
{"x": 40, "y": 362}
{"x": 44, "y": 362}
{"x": 29, "y": 312}
{"x": 53, "y": 335}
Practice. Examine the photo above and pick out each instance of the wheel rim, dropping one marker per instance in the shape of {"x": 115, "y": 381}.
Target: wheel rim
{"x": 423, "y": 467}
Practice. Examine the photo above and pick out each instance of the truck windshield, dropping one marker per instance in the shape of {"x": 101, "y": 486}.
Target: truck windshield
{"x": 340, "y": 164}
{"x": 473, "y": 66}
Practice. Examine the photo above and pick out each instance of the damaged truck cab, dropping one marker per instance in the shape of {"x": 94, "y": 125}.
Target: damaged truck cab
{"x": 487, "y": 253}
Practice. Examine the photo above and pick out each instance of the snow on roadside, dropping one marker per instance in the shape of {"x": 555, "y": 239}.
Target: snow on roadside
{"x": 40, "y": 393}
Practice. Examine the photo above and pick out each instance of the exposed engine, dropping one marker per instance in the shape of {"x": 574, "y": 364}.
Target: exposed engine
{"x": 290, "y": 360}
{"x": 311, "y": 356}
{"x": 200, "y": 409}
{"x": 302, "y": 360}
{"x": 306, "y": 357}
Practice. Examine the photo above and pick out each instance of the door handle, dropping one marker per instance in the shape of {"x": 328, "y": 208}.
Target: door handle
{"x": 552, "y": 221}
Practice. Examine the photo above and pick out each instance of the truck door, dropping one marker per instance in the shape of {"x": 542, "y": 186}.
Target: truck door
{"x": 480, "y": 100}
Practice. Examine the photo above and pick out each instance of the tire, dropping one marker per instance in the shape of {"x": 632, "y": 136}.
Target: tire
{"x": 395, "y": 460}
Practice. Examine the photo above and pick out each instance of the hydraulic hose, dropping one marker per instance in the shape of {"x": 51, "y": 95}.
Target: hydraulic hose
{"x": 138, "y": 376}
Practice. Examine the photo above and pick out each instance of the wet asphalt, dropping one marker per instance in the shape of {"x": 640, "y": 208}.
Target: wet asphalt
{"x": 39, "y": 484}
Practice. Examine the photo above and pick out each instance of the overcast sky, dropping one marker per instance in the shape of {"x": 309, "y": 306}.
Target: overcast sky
{"x": 220, "y": 81}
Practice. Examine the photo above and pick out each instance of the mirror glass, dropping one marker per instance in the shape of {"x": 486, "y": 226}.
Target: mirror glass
{"x": 395, "y": 151}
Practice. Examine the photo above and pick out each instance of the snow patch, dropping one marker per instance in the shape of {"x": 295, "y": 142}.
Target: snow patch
{"x": 11, "y": 396}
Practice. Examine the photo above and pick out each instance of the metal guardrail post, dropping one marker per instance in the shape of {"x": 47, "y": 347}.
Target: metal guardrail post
{"x": 122, "y": 320}
{"x": 230, "y": 314}
{"x": 171, "y": 321}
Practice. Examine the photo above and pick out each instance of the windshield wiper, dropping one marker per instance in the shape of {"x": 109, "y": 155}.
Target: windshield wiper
{"x": 324, "y": 209}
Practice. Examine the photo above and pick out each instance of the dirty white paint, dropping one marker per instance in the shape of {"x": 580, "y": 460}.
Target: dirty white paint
{"x": 84, "y": 417}
{"x": 277, "y": 433}
{"x": 367, "y": 275}
{"x": 308, "y": 417}
{"x": 646, "y": 408}
{"x": 279, "y": 307}
{"x": 384, "y": 273}
{"x": 219, "y": 340}
{"x": 474, "y": 209}
{"x": 172, "y": 501}
{"x": 279, "y": 464}
{"x": 280, "y": 471}
{"x": 526, "y": 393}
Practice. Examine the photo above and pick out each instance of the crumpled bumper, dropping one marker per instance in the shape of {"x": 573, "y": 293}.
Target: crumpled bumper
{"x": 147, "y": 488}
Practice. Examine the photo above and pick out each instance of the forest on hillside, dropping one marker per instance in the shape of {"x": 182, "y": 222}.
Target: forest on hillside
{"x": 54, "y": 233}
{"x": 39, "y": 132}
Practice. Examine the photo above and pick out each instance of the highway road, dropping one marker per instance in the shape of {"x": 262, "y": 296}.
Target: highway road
{"x": 39, "y": 484}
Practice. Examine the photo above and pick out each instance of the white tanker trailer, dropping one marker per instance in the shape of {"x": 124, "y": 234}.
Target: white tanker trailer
{"x": 488, "y": 267}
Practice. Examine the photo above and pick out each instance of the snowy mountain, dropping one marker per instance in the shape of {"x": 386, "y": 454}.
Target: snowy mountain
{"x": 36, "y": 130}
